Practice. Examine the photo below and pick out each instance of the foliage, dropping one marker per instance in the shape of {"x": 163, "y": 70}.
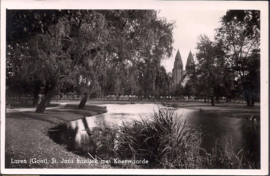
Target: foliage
{"x": 142, "y": 41}
{"x": 228, "y": 66}
{"x": 240, "y": 34}
{"x": 86, "y": 47}
{"x": 162, "y": 82}
{"x": 208, "y": 68}
{"x": 24, "y": 24}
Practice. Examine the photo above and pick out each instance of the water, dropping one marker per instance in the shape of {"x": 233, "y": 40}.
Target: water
{"x": 244, "y": 133}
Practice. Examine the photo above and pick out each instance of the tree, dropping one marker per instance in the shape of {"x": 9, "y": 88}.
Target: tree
{"x": 48, "y": 60}
{"x": 79, "y": 48}
{"x": 210, "y": 67}
{"x": 240, "y": 33}
{"x": 53, "y": 44}
{"x": 21, "y": 26}
{"x": 252, "y": 83}
{"x": 205, "y": 58}
{"x": 41, "y": 60}
{"x": 162, "y": 82}
{"x": 179, "y": 90}
{"x": 142, "y": 40}
{"x": 188, "y": 90}
{"x": 88, "y": 42}
{"x": 128, "y": 39}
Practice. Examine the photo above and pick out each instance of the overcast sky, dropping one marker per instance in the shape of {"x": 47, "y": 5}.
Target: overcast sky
{"x": 189, "y": 25}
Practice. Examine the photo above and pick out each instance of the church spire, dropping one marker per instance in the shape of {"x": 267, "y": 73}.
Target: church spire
{"x": 190, "y": 61}
{"x": 178, "y": 60}
{"x": 177, "y": 72}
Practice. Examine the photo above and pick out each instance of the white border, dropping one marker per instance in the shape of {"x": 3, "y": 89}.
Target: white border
{"x": 171, "y": 5}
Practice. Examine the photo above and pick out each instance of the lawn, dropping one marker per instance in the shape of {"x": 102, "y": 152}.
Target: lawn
{"x": 27, "y": 138}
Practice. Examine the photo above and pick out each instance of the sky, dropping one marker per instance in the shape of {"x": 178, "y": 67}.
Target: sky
{"x": 189, "y": 24}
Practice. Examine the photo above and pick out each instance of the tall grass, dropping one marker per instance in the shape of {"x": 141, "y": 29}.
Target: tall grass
{"x": 224, "y": 157}
{"x": 163, "y": 139}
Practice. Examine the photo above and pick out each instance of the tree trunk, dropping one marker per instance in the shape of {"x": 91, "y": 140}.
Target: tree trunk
{"x": 83, "y": 101}
{"x": 205, "y": 99}
{"x": 212, "y": 101}
{"x": 45, "y": 101}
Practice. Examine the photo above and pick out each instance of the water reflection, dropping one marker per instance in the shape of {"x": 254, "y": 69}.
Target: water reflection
{"x": 80, "y": 136}
{"x": 85, "y": 136}
{"x": 245, "y": 134}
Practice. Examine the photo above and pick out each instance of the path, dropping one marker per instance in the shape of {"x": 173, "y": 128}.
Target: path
{"x": 61, "y": 105}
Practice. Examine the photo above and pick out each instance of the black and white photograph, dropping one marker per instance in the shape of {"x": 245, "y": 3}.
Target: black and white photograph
{"x": 160, "y": 87}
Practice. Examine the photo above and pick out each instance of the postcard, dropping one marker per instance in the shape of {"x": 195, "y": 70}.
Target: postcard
{"x": 140, "y": 87}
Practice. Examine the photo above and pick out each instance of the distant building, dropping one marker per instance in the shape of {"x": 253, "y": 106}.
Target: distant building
{"x": 180, "y": 76}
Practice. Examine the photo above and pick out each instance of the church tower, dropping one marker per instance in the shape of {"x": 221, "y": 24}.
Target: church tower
{"x": 190, "y": 63}
{"x": 177, "y": 72}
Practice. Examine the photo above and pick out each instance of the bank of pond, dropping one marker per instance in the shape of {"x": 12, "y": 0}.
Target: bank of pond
{"x": 163, "y": 138}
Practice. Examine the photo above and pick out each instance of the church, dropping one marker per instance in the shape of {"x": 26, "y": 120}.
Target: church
{"x": 180, "y": 76}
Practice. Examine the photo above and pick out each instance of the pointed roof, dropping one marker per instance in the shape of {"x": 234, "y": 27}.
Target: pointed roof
{"x": 190, "y": 60}
{"x": 178, "y": 59}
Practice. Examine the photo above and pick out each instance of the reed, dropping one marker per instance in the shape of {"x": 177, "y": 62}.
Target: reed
{"x": 163, "y": 139}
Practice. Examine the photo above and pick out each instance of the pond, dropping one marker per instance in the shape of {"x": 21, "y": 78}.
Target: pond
{"x": 244, "y": 133}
